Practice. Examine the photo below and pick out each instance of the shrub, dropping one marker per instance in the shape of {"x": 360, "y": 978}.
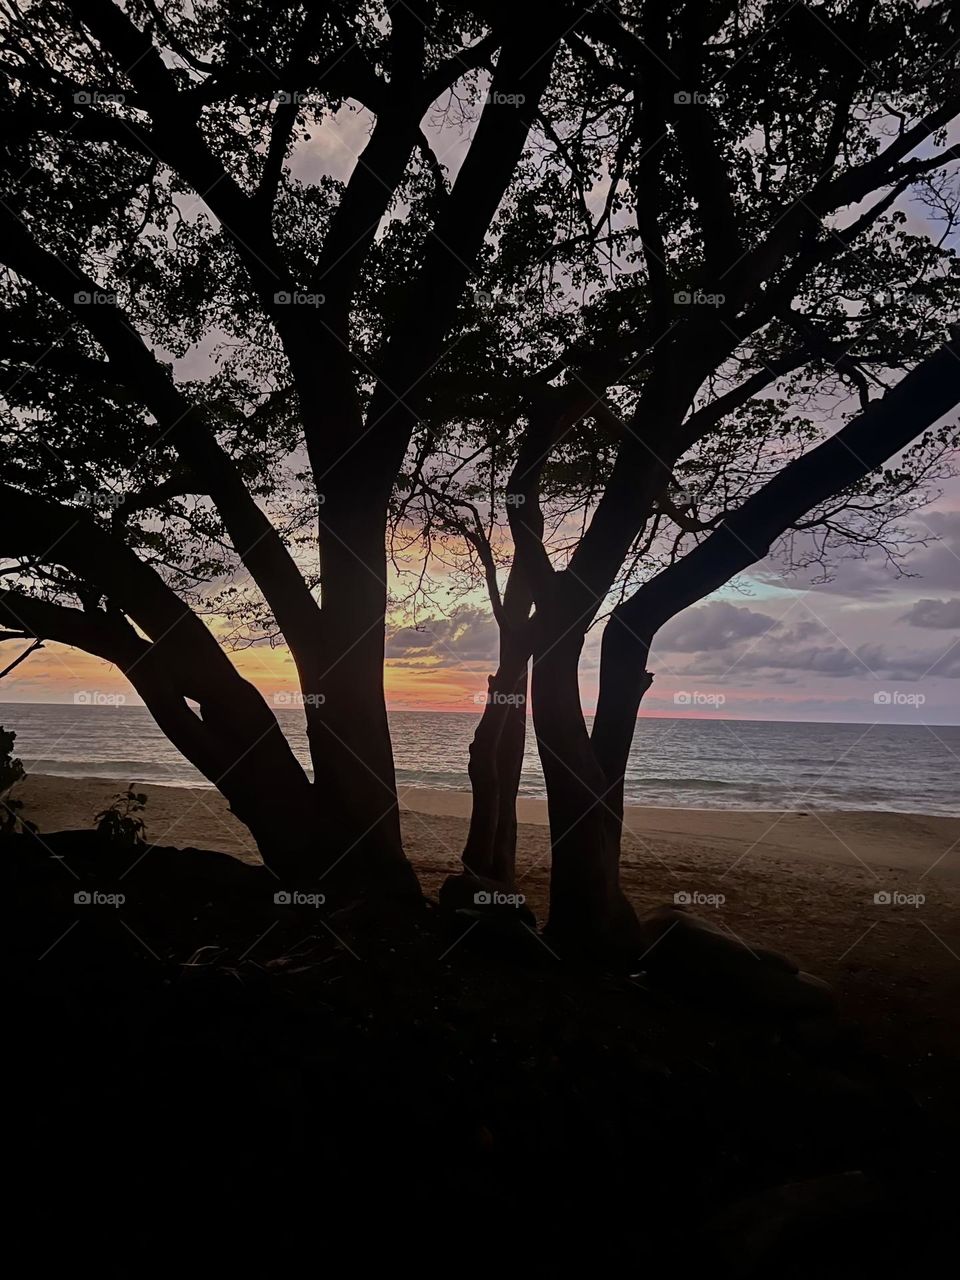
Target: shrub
{"x": 120, "y": 823}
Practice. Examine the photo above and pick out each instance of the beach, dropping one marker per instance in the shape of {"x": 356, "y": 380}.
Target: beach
{"x": 806, "y": 883}
{"x": 254, "y": 990}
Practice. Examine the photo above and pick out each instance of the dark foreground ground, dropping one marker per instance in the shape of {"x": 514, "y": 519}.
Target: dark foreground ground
{"x": 203, "y": 1081}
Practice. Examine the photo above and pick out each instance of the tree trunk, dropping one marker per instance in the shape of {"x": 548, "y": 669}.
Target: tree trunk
{"x": 587, "y": 907}
{"x": 347, "y": 724}
{"x": 624, "y": 680}
{"x": 496, "y": 762}
{"x": 236, "y": 743}
{"x": 513, "y": 739}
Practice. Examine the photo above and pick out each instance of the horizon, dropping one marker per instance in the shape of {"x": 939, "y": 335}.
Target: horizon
{"x": 647, "y": 714}
{"x": 869, "y": 645}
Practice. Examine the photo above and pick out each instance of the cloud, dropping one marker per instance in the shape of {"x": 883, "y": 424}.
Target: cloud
{"x": 718, "y": 625}
{"x": 870, "y": 661}
{"x": 936, "y": 614}
{"x": 726, "y": 641}
{"x": 467, "y": 635}
{"x": 712, "y": 626}
{"x": 938, "y": 564}
{"x": 870, "y": 576}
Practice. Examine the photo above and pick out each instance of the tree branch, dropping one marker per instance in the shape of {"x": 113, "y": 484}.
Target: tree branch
{"x": 256, "y": 540}
{"x": 928, "y": 392}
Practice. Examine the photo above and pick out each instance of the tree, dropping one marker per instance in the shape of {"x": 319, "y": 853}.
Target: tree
{"x": 677, "y": 238}
{"x": 148, "y": 204}
{"x": 766, "y": 161}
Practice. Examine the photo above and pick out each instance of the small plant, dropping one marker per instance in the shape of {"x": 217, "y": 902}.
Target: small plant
{"x": 11, "y": 772}
{"x": 120, "y": 824}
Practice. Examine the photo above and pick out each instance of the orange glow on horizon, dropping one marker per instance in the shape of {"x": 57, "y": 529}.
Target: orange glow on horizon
{"x": 57, "y": 673}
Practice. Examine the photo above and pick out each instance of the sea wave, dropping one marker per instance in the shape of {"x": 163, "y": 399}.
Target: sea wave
{"x": 690, "y": 763}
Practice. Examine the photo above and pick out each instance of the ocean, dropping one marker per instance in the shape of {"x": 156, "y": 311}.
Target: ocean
{"x": 675, "y": 763}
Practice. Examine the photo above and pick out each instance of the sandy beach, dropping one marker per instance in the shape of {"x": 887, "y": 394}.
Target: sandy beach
{"x": 910, "y": 847}
{"x": 804, "y": 882}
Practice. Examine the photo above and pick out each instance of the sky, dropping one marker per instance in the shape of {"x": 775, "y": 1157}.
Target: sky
{"x": 866, "y": 647}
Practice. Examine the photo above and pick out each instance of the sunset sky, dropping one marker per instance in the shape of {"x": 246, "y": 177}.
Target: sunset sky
{"x": 866, "y": 647}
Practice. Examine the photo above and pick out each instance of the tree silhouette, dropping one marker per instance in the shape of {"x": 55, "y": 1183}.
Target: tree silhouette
{"x": 770, "y": 265}
{"x": 147, "y": 201}
{"x": 675, "y": 232}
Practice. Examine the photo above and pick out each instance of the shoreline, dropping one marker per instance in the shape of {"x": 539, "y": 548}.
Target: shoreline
{"x": 530, "y": 809}
{"x": 867, "y": 842}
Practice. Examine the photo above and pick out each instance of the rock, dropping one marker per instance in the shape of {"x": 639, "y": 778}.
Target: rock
{"x": 760, "y": 1235}
{"x": 695, "y": 957}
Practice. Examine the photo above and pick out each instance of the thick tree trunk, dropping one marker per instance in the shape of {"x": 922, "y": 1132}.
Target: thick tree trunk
{"x": 347, "y": 724}
{"x": 234, "y": 739}
{"x": 587, "y": 907}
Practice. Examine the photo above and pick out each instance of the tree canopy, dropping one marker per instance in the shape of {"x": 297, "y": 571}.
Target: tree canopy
{"x": 602, "y": 298}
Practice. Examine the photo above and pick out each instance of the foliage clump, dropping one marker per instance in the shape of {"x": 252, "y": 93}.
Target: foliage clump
{"x": 120, "y": 823}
